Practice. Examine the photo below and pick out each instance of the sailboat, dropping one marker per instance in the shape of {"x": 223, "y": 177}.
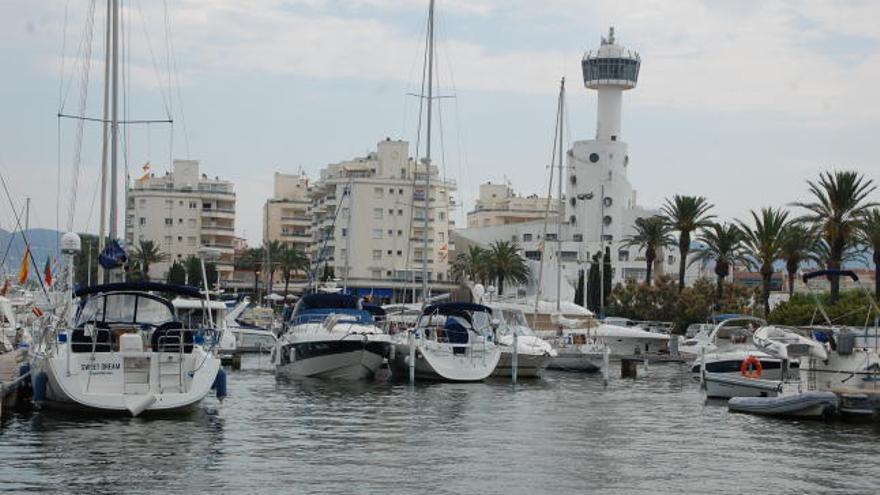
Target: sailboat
{"x": 122, "y": 349}
{"x": 451, "y": 341}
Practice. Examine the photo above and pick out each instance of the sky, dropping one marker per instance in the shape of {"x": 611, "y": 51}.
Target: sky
{"x": 739, "y": 101}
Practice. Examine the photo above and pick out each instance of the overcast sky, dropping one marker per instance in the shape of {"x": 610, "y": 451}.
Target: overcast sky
{"x": 740, "y": 101}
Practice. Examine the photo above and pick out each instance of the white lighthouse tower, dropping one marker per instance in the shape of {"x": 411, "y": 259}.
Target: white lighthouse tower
{"x": 601, "y": 201}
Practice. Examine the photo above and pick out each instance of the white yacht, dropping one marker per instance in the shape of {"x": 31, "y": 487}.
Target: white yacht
{"x": 126, "y": 352}
{"x": 450, "y": 342}
{"x": 248, "y": 337}
{"x": 730, "y": 365}
{"x": 533, "y": 353}
{"x": 197, "y": 314}
{"x": 331, "y": 336}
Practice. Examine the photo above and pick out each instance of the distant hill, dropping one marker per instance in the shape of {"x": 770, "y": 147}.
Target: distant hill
{"x": 44, "y": 242}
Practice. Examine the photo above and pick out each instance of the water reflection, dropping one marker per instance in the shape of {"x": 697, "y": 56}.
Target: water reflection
{"x": 564, "y": 434}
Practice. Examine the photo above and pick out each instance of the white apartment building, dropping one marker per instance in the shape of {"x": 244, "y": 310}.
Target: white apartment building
{"x": 180, "y": 212}
{"x": 370, "y": 218}
{"x": 498, "y": 204}
{"x": 286, "y": 216}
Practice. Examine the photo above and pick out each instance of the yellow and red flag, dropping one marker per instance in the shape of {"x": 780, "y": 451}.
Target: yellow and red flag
{"x": 146, "y": 169}
{"x": 25, "y": 269}
{"x": 47, "y": 271}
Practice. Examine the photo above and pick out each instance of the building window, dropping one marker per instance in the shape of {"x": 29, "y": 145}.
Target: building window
{"x": 400, "y": 212}
{"x": 377, "y": 233}
{"x": 180, "y": 238}
{"x": 441, "y": 236}
{"x": 390, "y": 232}
{"x": 377, "y": 213}
{"x": 180, "y": 203}
{"x": 527, "y": 237}
{"x": 193, "y": 205}
{"x": 169, "y": 221}
{"x": 670, "y": 260}
{"x": 442, "y": 215}
{"x": 399, "y": 252}
{"x": 389, "y": 252}
{"x": 390, "y": 190}
{"x": 344, "y": 232}
{"x": 399, "y": 233}
{"x": 623, "y": 255}
{"x": 533, "y": 255}
{"x": 574, "y": 179}
{"x": 578, "y": 237}
{"x": 378, "y": 192}
{"x": 390, "y": 212}
{"x": 180, "y": 221}
{"x": 377, "y": 254}
{"x": 550, "y": 237}
{"x": 142, "y": 221}
{"x": 400, "y": 191}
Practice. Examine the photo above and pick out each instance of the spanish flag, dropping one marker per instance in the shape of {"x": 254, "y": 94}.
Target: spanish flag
{"x": 25, "y": 269}
{"x": 47, "y": 272}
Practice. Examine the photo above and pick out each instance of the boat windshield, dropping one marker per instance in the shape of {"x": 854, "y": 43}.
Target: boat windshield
{"x": 125, "y": 308}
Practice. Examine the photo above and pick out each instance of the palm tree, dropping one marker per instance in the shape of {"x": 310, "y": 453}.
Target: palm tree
{"x": 471, "y": 265}
{"x": 763, "y": 243}
{"x": 839, "y": 201}
{"x": 506, "y": 265}
{"x": 686, "y": 214}
{"x": 291, "y": 260}
{"x": 799, "y": 244}
{"x": 652, "y": 234}
{"x": 274, "y": 250}
{"x": 251, "y": 260}
{"x": 723, "y": 245}
{"x": 145, "y": 254}
{"x": 869, "y": 235}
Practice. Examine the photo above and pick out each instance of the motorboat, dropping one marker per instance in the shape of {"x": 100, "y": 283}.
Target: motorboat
{"x": 198, "y": 314}
{"x": 248, "y": 337}
{"x": 628, "y": 341}
{"x": 729, "y": 365}
{"x": 127, "y": 352}
{"x": 787, "y": 343}
{"x": 450, "y": 342}
{"x": 533, "y": 354}
{"x": 811, "y": 404}
{"x": 331, "y": 336}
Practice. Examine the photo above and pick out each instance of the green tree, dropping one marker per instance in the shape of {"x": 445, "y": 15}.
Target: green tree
{"x": 722, "y": 244}
{"x": 840, "y": 200}
{"x": 799, "y": 245}
{"x": 176, "y": 274}
{"x": 251, "y": 260}
{"x": 651, "y": 234}
{"x": 471, "y": 265}
{"x": 274, "y": 250}
{"x": 291, "y": 261}
{"x": 685, "y": 215}
{"x": 145, "y": 254}
{"x": 193, "y": 267}
{"x": 763, "y": 244}
{"x": 506, "y": 265}
{"x": 869, "y": 236}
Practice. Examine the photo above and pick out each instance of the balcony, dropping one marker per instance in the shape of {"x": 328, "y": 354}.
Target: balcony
{"x": 296, "y": 218}
{"x": 219, "y": 213}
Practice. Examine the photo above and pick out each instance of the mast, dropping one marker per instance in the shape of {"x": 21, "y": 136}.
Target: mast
{"x": 114, "y": 120}
{"x": 561, "y": 123}
{"x": 102, "y": 222}
{"x": 425, "y": 288}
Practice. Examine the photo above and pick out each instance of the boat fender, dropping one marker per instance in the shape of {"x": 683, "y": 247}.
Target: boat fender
{"x": 40, "y": 381}
{"x": 136, "y": 408}
{"x": 24, "y": 371}
{"x": 751, "y": 367}
{"x": 219, "y": 385}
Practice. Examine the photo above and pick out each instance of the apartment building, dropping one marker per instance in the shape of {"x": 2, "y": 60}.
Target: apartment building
{"x": 371, "y": 218}
{"x": 498, "y": 204}
{"x": 286, "y": 216}
{"x": 181, "y": 211}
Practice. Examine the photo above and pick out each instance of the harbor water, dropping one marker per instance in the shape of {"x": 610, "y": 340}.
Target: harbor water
{"x": 563, "y": 434}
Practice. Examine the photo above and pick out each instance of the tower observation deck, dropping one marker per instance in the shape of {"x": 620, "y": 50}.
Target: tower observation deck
{"x": 610, "y": 70}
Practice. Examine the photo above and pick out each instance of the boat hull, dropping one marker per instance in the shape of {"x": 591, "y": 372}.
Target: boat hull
{"x": 250, "y": 340}
{"x": 438, "y": 362}
{"x": 574, "y": 359}
{"x": 527, "y": 365}
{"x": 333, "y": 360}
{"x": 803, "y": 405}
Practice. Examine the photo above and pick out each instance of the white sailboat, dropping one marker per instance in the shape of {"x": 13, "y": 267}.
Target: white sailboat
{"x": 122, "y": 349}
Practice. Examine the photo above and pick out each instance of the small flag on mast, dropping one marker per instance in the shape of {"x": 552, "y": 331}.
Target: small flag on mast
{"x": 47, "y": 271}
{"x": 25, "y": 269}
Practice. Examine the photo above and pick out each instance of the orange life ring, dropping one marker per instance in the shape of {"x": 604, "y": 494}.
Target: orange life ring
{"x": 751, "y": 367}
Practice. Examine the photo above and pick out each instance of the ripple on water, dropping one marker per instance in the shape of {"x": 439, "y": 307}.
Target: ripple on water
{"x": 564, "y": 434}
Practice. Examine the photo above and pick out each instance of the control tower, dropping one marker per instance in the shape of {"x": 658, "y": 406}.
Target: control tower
{"x": 601, "y": 202}
{"x": 610, "y": 71}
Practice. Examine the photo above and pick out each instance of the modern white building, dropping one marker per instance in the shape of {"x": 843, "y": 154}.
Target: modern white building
{"x": 498, "y": 204}
{"x": 600, "y": 203}
{"x": 181, "y": 211}
{"x": 286, "y": 216}
{"x": 379, "y": 221}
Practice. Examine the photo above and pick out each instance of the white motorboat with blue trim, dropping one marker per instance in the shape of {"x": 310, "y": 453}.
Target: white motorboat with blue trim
{"x": 451, "y": 342}
{"x": 331, "y": 336}
{"x": 126, "y": 352}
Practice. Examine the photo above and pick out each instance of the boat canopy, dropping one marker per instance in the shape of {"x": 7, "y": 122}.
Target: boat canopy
{"x": 328, "y": 301}
{"x": 178, "y": 290}
{"x": 456, "y": 308}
